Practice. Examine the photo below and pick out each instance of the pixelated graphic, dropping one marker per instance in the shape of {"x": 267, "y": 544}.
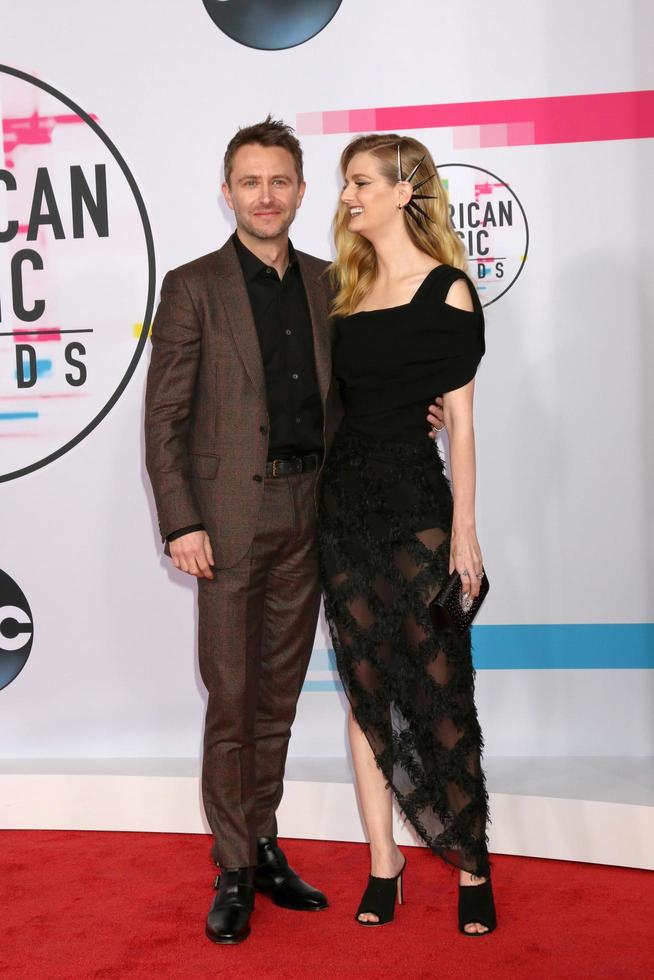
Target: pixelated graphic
{"x": 507, "y": 122}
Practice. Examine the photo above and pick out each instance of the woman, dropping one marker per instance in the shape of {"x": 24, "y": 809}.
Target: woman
{"x": 390, "y": 529}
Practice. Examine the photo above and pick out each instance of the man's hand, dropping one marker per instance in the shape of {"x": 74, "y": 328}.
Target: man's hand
{"x": 192, "y": 553}
{"x": 436, "y": 418}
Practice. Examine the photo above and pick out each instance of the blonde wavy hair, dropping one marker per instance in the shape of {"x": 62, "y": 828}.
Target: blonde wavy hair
{"x": 354, "y": 269}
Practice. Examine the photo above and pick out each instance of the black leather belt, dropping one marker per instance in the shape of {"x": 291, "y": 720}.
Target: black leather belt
{"x": 292, "y": 465}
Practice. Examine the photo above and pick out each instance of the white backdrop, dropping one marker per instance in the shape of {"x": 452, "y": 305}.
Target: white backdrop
{"x": 564, "y": 402}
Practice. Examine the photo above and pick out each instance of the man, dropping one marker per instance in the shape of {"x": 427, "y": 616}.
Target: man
{"x": 240, "y": 410}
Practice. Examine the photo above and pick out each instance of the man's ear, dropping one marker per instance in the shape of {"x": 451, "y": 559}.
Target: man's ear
{"x": 227, "y": 194}
{"x": 301, "y": 193}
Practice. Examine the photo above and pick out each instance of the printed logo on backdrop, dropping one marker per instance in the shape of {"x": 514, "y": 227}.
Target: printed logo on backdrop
{"x": 16, "y": 630}
{"x": 76, "y": 274}
{"x": 271, "y": 24}
{"x": 492, "y": 224}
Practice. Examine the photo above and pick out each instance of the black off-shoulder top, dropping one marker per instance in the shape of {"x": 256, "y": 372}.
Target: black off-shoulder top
{"x": 391, "y": 363}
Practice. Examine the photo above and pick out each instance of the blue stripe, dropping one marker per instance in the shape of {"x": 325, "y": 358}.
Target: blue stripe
{"x": 42, "y": 368}
{"x": 323, "y": 660}
{"x": 314, "y": 686}
{"x": 572, "y": 646}
{"x": 10, "y": 416}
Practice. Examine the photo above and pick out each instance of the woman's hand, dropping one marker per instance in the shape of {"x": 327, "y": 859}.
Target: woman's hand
{"x": 465, "y": 556}
{"x": 436, "y": 417}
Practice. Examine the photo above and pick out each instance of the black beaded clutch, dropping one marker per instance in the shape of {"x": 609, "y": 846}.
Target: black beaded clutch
{"x": 452, "y": 609}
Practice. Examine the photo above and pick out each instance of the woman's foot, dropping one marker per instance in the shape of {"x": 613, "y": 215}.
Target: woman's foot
{"x": 385, "y": 863}
{"x": 467, "y": 880}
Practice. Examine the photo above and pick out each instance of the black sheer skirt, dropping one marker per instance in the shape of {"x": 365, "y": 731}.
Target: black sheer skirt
{"x": 385, "y": 516}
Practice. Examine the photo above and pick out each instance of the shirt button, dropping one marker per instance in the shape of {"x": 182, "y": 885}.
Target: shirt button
{"x": 288, "y": 333}
{"x": 269, "y": 271}
{"x": 295, "y": 376}
{"x": 257, "y": 478}
{"x": 298, "y": 418}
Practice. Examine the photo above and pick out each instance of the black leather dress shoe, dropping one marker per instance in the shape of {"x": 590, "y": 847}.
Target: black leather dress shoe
{"x": 229, "y": 917}
{"x": 275, "y": 878}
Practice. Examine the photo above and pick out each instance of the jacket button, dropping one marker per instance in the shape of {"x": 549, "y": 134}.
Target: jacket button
{"x": 263, "y": 430}
{"x": 257, "y": 478}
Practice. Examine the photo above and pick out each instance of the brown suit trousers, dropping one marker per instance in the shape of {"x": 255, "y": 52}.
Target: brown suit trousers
{"x": 267, "y": 606}
{"x": 206, "y": 432}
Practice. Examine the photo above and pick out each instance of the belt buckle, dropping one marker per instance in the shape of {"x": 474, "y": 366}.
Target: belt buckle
{"x": 274, "y": 468}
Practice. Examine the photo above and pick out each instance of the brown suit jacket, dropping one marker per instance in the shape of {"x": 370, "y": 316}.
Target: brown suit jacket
{"x": 206, "y": 419}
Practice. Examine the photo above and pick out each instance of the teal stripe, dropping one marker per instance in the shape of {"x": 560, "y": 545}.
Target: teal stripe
{"x": 318, "y": 686}
{"x": 323, "y": 660}
{"x": 11, "y": 416}
{"x": 572, "y": 646}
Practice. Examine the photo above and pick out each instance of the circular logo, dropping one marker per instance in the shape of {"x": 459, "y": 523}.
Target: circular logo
{"x": 492, "y": 224}
{"x": 271, "y": 24}
{"x": 77, "y": 274}
{"x": 16, "y": 630}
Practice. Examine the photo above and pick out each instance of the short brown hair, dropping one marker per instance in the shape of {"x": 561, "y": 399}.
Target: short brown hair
{"x": 270, "y": 132}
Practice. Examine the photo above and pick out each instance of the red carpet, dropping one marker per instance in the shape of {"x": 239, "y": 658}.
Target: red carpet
{"x": 109, "y": 905}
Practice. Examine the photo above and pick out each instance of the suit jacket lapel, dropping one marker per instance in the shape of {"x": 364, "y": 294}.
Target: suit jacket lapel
{"x": 319, "y": 312}
{"x": 236, "y": 303}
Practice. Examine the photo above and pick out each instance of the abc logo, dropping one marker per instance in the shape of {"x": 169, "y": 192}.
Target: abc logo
{"x": 271, "y": 25}
{"x": 16, "y": 630}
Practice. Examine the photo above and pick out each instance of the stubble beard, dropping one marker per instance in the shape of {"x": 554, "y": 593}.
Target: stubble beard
{"x": 263, "y": 234}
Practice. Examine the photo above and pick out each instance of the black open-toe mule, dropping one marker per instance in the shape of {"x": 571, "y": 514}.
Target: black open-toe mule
{"x": 379, "y": 898}
{"x": 476, "y": 904}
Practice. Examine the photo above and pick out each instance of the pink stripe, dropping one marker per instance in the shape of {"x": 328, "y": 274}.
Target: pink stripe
{"x": 31, "y": 397}
{"x": 511, "y": 122}
{"x": 363, "y": 120}
{"x": 310, "y": 123}
{"x": 38, "y": 337}
{"x": 336, "y": 122}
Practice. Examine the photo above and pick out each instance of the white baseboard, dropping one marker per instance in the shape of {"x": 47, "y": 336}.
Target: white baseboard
{"x": 323, "y": 808}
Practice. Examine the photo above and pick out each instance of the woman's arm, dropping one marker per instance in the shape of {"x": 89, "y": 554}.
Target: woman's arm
{"x": 465, "y": 553}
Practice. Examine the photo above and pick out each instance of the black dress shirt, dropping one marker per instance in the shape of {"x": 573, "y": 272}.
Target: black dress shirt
{"x": 281, "y": 316}
{"x": 283, "y": 324}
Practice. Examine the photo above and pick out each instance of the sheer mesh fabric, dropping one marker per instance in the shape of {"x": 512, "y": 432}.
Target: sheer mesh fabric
{"x": 385, "y": 513}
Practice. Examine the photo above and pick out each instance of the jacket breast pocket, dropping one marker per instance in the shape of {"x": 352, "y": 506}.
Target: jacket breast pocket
{"x": 204, "y": 466}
